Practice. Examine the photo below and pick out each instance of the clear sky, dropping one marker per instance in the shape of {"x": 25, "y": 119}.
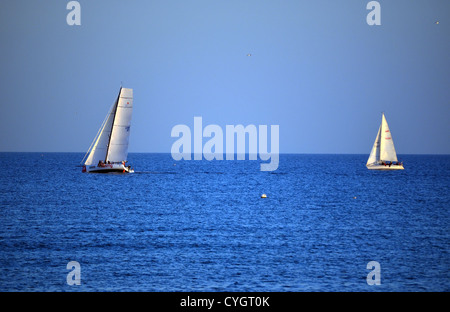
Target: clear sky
{"x": 316, "y": 69}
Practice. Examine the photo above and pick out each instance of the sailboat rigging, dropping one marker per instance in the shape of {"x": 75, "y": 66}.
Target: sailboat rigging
{"x": 383, "y": 155}
{"x": 109, "y": 150}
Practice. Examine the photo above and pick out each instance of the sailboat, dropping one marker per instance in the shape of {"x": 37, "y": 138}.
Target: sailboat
{"x": 109, "y": 150}
{"x": 383, "y": 156}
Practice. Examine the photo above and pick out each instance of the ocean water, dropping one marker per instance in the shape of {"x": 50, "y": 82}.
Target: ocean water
{"x": 203, "y": 226}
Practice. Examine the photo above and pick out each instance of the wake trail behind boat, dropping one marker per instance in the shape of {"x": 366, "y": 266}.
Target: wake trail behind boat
{"x": 154, "y": 172}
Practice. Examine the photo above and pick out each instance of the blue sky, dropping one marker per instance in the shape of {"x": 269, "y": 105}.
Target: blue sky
{"x": 316, "y": 69}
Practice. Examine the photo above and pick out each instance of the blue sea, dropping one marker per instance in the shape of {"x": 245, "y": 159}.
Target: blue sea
{"x": 203, "y": 226}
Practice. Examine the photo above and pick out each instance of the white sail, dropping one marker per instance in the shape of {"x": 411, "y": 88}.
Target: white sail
{"x": 374, "y": 156}
{"x": 98, "y": 150}
{"x": 383, "y": 155}
{"x": 111, "y": 144}
{"x": 118, "y": 145}
{"x": 387, "y": 149}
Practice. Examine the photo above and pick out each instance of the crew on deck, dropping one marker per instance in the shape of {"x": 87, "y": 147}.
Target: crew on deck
{"x": 390, "y": 163}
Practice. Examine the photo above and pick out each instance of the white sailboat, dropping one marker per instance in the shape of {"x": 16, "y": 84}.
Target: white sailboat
{"x": 109, "y": 150}
{"x": 383, "y": 156}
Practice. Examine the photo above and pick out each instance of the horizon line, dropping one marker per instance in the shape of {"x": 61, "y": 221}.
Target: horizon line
{"x": 286, "y": 153}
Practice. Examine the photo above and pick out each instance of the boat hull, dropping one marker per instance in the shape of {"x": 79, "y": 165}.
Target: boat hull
{"x": 108, "y": 168}
{"x": 385, "y": 167}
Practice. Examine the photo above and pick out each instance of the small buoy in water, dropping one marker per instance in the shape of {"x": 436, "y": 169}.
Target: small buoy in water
{"x": 354, "y": 197}
{"x": 263, "y": 196}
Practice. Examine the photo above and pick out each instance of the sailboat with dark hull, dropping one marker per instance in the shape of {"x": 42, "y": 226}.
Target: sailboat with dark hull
{"x": 109, "y": 150}
{"x": 383, "y": 155}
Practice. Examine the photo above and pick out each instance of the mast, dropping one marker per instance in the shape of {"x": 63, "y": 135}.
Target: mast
{"x": 382, "y": 137}
{"x": 112, "y": 124}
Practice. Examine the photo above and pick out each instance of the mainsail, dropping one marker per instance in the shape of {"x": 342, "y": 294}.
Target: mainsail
{"x": 383, "y": 147}
{"x": 111, "y": 143}
{"x": 387, "y": 150}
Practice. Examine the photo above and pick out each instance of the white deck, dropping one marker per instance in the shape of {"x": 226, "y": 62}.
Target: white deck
{"x": 108, "y": 168}
{"x": 385, "y": 167}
